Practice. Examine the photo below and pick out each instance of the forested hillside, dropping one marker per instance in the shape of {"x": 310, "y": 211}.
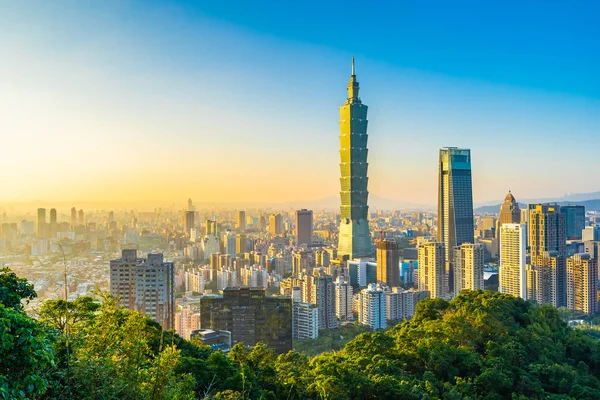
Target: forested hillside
{"x": 481, "y": 345}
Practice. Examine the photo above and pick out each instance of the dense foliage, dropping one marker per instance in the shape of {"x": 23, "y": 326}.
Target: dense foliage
{"x": 330, "y": 339}
{"x": 481, "y": 345}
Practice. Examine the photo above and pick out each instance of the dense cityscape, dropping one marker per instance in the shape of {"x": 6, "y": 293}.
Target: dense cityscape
{"x": 366, "y": 298}
{"x": 318, "y": 269}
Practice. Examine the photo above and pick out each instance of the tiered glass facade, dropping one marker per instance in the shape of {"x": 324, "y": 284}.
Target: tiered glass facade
{"x": 354, "y": 236}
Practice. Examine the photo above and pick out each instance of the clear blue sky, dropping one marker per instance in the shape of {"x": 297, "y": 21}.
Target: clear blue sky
{"x": 222, "y": 99}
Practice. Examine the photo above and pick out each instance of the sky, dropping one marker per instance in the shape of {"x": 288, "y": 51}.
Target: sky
{"x": 228, "y": 101}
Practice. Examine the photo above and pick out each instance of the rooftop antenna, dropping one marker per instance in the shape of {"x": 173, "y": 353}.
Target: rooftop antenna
{"x": 353, "y": 66}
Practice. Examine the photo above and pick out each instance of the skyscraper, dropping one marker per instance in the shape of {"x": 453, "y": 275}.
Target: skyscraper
{"x": 73, "y": 217}
{"x": 432, "y": 270}
{"x": 304, "y": 226}
{"x": 276, "y": 224}
{"x": 145, "y": 285}
{"x": 354, "y": 236}
{"x": 41, "y": 223}
{"x": 343, "y": 299}
{"x": 305, "y": 321}
{"x": 188, "y": 222}
{"x": 455, "y": 199}
{"x": 372, "y": 309}
{"x": 582, "y": 283}
{"x": 388, "y": 263}
{"x": 81, "y": 216}
{"x": 575, "y": 221}
{"x": 240, "y": 223}
{"x": 513, "y": 249}
{"x": 468, "y": 267}
{"x": 211, "y": 228}
{"x": 230, "y": 241}
{"x": 321, "y": 291}
{"x": 53, "y": 227}
{"x": 510, "y": 212}
{"x": 241, "y": 243}
{"x": 543, "y": 283}
{"x": 547, "y": 242}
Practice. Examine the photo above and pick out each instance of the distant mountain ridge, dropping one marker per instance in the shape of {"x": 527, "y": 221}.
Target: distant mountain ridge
{"x": 590, "y": 205}
{"x": 569, "y": 197}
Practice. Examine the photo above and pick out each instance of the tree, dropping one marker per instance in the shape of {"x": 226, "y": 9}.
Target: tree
{"x": 53, "y": 312}
{"x": 14, "y": 289}
{"x": 26, "y": 355}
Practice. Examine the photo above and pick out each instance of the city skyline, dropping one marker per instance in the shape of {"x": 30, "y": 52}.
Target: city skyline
{"x": 124, "y": 89}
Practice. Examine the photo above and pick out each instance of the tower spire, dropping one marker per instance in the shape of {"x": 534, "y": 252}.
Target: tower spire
{"x": 353, "y": 86}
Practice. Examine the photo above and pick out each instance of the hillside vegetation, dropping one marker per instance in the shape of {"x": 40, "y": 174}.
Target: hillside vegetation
{"x": 481, "y": 345}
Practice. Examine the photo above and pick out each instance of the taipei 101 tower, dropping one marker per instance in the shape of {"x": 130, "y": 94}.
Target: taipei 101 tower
{"x": 354, "y": 236}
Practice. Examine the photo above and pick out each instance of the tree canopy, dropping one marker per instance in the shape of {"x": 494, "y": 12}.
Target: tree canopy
{"x": 480, "y": 345}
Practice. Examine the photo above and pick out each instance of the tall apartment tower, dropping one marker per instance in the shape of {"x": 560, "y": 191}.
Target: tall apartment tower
{"x": 230, "y": 241}
{"x": 240, "y": 222}
{"x": 188, "y": 222}
{"x": 513, "y": 260}
{"x": 305, "y": 321}
{"x": 372, "y": 309}
{"x": 81, "y": 217}
{"x": 574, "y": 220}
{"x": 343, "y": 299}
{"x": 432, "y": 269}
{"x": 582, "y": 283}
{"x": 468, "y": 267}
{"x": 41, "y": 223}
{"x": 73, "y": 217}
{"x": 52, "y": 228}
{"x": 276, "y": 224}
{"x": 320, "y": 290}
{"x": 145, "y": 285}
{"x": 211, "y": 228}
{"x": 455, "y": 199}
{"x": 547, "y": 242}
{"x": 241, "y": 243}
{"x": 543, "y": 284}
{"x": 354, "y": 236}
{"x": 304, "y": 226}
{"x": 388, "y": 263}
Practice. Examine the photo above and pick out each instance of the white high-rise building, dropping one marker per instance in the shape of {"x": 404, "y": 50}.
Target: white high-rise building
{"x": 145, "y": 285}
{"x": 305, "y": 321}
{"x": 433, "y": 276}
{"x": 401, "y": 303}
{"x": 343, "y": 299}
{"x": 410, "y": 298}
{"x": 372, "y": 309}
{"x": 513, "y": 261}
{"x": 468, "y": 267}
